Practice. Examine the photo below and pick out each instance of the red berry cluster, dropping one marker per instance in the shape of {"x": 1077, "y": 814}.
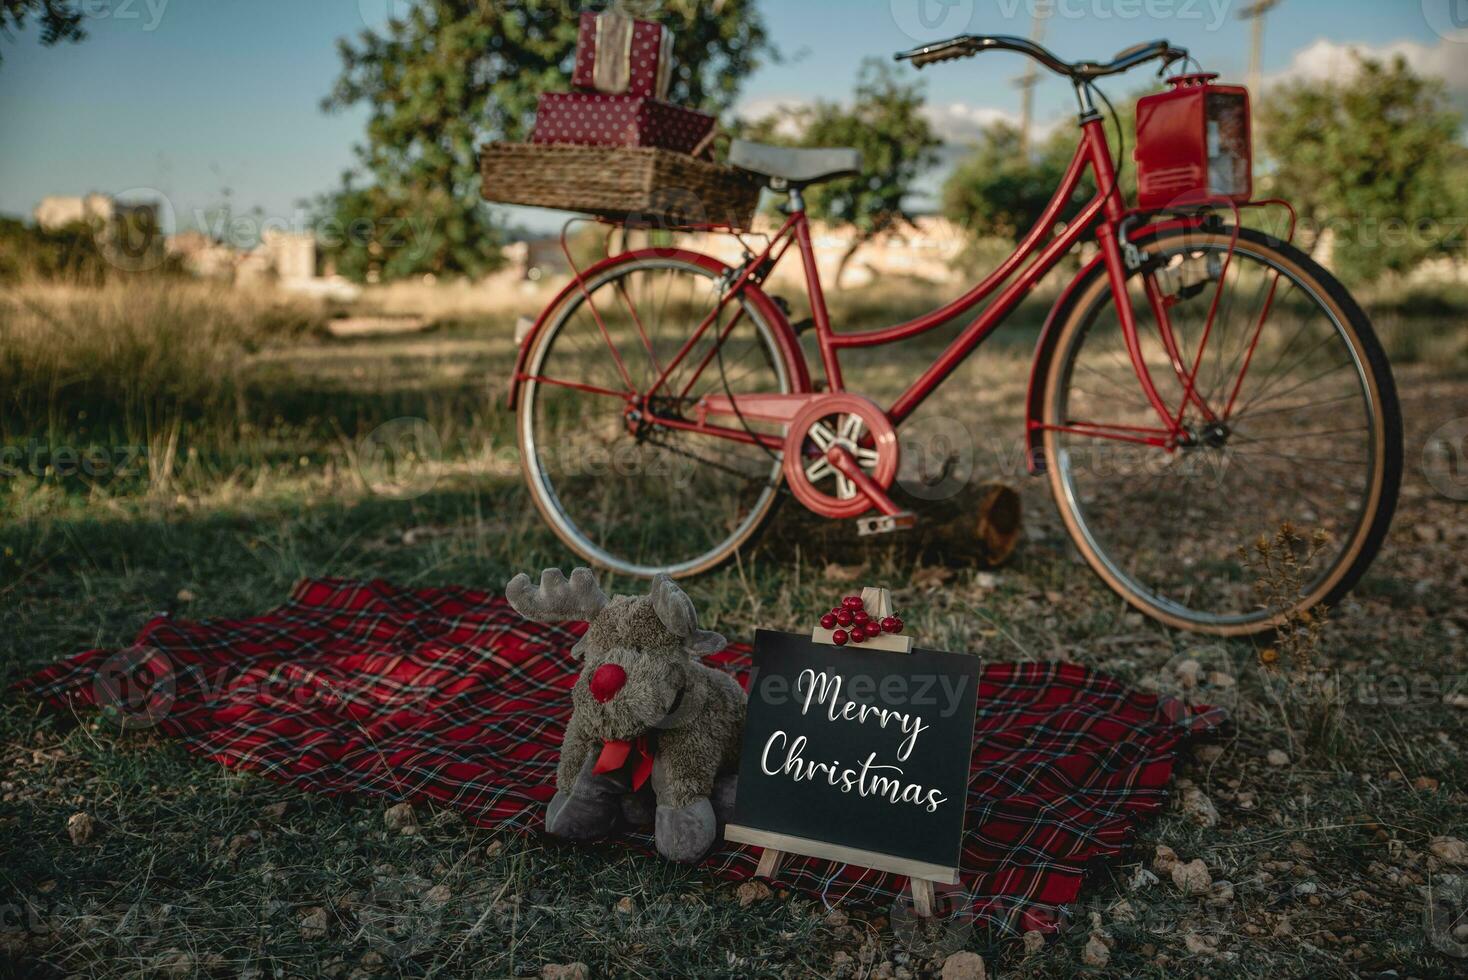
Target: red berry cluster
{"x": 849, "y": 621}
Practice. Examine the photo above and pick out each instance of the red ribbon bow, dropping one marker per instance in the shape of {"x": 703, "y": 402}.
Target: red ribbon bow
{"x": 616, "y": 751}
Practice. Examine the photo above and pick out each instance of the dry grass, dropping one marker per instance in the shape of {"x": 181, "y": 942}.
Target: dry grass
{"x": 137, "y": 358}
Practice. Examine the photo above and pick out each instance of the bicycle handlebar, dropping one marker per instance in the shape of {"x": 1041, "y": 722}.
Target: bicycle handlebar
{"x": 968, "y": 45}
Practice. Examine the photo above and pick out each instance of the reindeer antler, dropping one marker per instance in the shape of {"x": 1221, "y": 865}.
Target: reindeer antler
{"x": 675, "y": 611}
{"x": 556, "y": 599}
{"x": 673, "y": 606}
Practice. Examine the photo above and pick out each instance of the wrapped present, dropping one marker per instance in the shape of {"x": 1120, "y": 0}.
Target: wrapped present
{"x": 594, "y": 119}
{"x": 617, "y": 55}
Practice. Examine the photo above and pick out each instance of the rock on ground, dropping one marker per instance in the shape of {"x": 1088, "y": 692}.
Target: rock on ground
{"x": 1449, "y": 850}
{"x": 750, "y": 892}
{"x": 565, "y": 971}
{"x": 315, "y": 923}
{"x": 79, "y": 827}
{"x": 401, "y": 818}
{"x": 1095, "y": 953}
{"x": 963, "y": 965}
{"x": 1197, "y": 807}
{"x": 1192, "y": 878}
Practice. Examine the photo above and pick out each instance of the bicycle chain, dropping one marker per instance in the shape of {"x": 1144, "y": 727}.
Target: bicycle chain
{"x": 778, "y": 486}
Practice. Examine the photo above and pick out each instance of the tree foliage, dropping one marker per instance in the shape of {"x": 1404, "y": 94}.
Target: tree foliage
{"x": 1375, "y": 159}
{"x": 1000, "y": 189}
{"x": 452, "y": 74}
{"x": 61, "y": 20}
{"x": 885, "y": 121}
{"x": 999, "y": 192}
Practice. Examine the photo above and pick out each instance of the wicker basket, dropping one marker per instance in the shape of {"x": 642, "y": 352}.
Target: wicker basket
{"x": 645, "y": 185}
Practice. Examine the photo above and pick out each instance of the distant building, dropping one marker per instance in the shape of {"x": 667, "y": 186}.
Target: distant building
{"x": 203, "y": 256}
{"x": 925, "y": 249}
{"x": 54, "y": 213}
{"x": 292, "y": 254}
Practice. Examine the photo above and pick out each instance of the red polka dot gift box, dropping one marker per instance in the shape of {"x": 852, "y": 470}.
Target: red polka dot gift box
{"x": 617, "y": 55}
{"x": 595, "y": 119}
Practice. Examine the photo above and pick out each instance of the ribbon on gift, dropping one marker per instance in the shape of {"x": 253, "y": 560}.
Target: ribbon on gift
{"x": 613, "y": 38}
{"x": 616, "y": 751}
{"x": 612, "y": 70}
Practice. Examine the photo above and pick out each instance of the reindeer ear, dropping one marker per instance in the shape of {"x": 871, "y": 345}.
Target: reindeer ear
{"x": 704, "y": 642}
{"x": 673, "y": 607}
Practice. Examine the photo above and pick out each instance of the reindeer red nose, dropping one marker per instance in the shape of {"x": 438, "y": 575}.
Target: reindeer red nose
{"x": 606, "y": 681}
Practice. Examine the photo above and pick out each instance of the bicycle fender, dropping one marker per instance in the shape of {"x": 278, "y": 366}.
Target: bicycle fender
{"x": 756, "y": 297}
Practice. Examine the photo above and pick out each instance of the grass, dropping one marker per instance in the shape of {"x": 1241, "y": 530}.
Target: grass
{"x": 194, "y": 869}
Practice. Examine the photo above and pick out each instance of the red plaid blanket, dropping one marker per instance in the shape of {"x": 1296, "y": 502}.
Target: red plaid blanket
{"x": 446, "y": 695}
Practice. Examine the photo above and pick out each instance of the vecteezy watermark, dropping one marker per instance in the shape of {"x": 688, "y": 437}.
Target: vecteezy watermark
{"x": 1445, "y": 459}
{"x": 1203, "y": 675}
{"x": 847, "y": 692}
{"x": 939, "y": 935}
{"x": 937, "y": 458}
{"x": 1447, "y": 18}
{"x": 93, "y": 461}
{"x": 1212, "y": 14}
{"x": 132, "y": 234}
{"x": 401, "y": 459}
{"x": 1445, "y": 915}
{"x": 1390, "y": 690}
{"x": 401, "y": 915}
{"x": 135, "y": 687}
{"x": 148, "y": 13}
{"x": 376, "y": 13}
{"x": 245, "y": 231}
{"x": 932, "y": 20}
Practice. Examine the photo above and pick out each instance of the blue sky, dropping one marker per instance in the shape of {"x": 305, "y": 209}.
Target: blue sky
{"x": 190, "y": 97}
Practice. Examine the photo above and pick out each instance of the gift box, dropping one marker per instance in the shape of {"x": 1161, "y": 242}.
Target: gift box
{"x": 594, "y": 119}
{"x": 617, "y": 55}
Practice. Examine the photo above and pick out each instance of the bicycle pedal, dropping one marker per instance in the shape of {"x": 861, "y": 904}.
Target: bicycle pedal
{"x": 885, "y": 523}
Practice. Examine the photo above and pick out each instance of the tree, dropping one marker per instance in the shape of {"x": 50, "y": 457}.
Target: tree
{"x": 885, "y": 121}
{"x": 994, "y": 192}
{"x": 999, "y": 192}
{"x": 451, "y": 74}
{"x": 1373, "y": 159}
{"x": 60, "y": 19}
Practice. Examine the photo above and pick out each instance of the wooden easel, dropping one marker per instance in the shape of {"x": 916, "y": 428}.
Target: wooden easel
{"x": 878, "y": 604}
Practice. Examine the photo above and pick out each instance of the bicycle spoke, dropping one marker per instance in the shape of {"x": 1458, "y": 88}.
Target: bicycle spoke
{"x": 620, "y": 487}
{"x": 1293, "y": 451}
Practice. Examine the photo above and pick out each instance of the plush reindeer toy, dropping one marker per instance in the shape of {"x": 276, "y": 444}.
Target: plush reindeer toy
{"x": 654, "y": 734}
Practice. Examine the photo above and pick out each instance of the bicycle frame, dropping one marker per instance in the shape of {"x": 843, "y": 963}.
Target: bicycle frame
{"x": 1093, "y": 153}
{"x": 1106, "y": 212}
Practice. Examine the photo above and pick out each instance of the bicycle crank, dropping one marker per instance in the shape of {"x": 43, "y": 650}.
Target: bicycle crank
{"x": 841, "y": 455}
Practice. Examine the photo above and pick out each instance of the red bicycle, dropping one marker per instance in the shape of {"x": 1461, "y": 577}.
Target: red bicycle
{"x": 1196, "y": 385}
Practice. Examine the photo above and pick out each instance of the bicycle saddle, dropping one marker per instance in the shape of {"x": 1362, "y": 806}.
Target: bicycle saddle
{"x": 796, "y": 166}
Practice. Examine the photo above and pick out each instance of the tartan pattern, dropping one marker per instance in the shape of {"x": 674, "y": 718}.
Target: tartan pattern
{"x": 446, "y": 695}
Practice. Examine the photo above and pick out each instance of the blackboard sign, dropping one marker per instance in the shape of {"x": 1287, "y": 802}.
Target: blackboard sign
{"x": 857, "y": 755}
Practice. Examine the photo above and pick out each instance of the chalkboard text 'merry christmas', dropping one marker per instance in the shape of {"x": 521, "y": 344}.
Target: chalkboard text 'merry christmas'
{"x": 783, "y": 754}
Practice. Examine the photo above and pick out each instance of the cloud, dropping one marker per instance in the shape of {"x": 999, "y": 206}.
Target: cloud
{"x": 959, "y": 122}
{"x": 956, "y": 123}
{"x": 752, "y": 110}
{"x": 1332, "y": 60}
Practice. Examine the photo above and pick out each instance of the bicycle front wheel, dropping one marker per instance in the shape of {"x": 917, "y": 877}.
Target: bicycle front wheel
{"x": 606, "y": 464}
{"x": 1293, "y": 438}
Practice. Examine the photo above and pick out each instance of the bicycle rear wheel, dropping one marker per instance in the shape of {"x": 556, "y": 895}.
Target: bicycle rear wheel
{"x": 1296, "y": 426}
{"x": 622, "y": 487}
